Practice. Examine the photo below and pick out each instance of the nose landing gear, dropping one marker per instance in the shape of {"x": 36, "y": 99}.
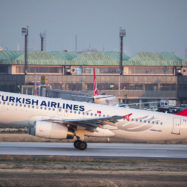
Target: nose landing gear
{"x": 81, "y": 145}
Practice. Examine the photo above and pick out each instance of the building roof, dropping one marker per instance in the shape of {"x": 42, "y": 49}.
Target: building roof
{"x": 91, "y": 58}
{"x": 39, "y": 58}
{"x": 116, "y": 55}
{"x": 7, "y": 57}
{"x": 170, "y": 56}
{"x": 64, "y": 55}
{"x": 94, "y": 58}
{"x": 154, "y": 59}
{"x": 184, "y": 62}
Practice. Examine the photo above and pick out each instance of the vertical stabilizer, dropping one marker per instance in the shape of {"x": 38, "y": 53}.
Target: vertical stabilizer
{"x": 95, "y": 85}
{"x": 35, "y": 84}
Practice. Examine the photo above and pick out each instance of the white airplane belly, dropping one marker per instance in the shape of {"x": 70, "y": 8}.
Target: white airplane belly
{"x": 167, "y": 130}
{"x": 147, "y": 135}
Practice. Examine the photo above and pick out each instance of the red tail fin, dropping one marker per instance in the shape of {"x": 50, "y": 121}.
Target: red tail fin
{"x": 182, "y": 113}
{"x": 95, "y": 85}
{"x": 35, "y": 86}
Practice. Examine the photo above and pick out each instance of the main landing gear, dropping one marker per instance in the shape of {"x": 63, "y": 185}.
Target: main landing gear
{"x": 81, "y": 145}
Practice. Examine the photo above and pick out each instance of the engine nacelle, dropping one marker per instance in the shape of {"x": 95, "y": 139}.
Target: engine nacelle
{"x": 50, "y": 130}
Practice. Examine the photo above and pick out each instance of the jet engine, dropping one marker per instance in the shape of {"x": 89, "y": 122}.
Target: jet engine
{"x": 50, "y": 130}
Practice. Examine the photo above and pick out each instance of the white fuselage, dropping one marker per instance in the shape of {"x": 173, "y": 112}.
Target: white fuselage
{"x": 17, "y": 110}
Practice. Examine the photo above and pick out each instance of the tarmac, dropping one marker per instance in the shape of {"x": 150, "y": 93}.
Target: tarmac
{"x": 101, "y": 150}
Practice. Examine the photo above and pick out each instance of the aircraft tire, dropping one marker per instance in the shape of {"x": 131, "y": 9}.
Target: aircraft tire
{"x": 77, "y": 144}
{"x": 82, "y": 145}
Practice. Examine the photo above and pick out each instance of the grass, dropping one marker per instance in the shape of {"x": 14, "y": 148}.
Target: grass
{"x": 75, "y": 171}
{"x": 131, "y": 161}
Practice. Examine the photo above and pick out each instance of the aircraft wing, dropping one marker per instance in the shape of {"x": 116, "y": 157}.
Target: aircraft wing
{"x": 89, "y": 123}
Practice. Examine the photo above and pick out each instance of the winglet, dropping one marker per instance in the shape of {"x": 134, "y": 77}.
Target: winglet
{"x": 127, "y": 117}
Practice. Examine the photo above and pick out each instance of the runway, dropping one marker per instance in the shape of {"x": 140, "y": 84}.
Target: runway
{"x": 103, "y": 150}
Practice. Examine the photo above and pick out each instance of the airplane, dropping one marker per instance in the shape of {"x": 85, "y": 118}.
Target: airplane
{"x": 111, "y": 99}
{"x": 65, "y": 119}
{"x": 103, "y": 99}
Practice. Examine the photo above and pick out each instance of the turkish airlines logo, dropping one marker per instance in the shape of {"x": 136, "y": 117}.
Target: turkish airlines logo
{"x": 99, "y": 112}
{"x": 127, "y": 117}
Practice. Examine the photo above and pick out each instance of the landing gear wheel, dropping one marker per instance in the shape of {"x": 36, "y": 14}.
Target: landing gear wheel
{"x": 76, "y": 144}
{"x": 81, "y": 145}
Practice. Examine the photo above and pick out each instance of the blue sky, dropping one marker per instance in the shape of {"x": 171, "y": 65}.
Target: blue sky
{"x": 151, "y": 25}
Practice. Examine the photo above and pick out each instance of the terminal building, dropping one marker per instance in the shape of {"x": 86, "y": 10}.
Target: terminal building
{"x": 146, "y": 76}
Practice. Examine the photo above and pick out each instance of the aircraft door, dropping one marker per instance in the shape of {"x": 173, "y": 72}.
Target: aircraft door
{"x": 176, "y": 126}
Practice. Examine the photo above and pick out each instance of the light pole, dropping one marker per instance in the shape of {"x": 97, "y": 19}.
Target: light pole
{"x": 42, "y": 37}
{"x": 25, "y": 32}
{"x": 122, "y": 33}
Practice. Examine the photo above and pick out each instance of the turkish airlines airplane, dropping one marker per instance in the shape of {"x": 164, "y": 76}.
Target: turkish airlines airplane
{"x": 103, "y": 99}
{"x": 64, "y": 119}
